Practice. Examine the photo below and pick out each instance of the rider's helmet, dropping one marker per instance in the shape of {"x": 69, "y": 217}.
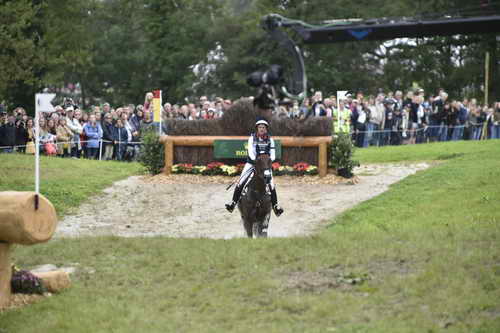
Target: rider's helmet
{"x": 261, "y": 121}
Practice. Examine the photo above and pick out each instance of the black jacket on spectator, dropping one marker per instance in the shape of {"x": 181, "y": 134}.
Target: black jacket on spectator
{"x": 390, "y": 119}
{"x": 108, "y": 132}
{"x": 135, "y": 122}
{"x": 1, "y": 136}
{"x": 21, "y": 135}
{"x": 121, "y": 137}
{"x": 120, "y": 134}
{"x": 414, "y": 112}
{"x": 438, "y": 113}
{"x": 451, "y": 117}
{"x": 9, "y": 135}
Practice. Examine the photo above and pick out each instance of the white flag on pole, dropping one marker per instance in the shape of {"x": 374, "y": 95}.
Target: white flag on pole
{"x": 43, "y": 102}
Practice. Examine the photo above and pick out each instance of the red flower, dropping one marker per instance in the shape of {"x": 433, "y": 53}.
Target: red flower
{"x": 240, "y": 166}
{"x": 301, "y": 166}
{"x": 214, "y": 165}
{"x": 186, "y": 166}
{"x": 276, "y": 166}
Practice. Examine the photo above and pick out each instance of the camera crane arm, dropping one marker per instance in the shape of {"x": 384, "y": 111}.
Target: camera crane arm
{"x": 298, "y": 90}
{"x": 338, "y": 31}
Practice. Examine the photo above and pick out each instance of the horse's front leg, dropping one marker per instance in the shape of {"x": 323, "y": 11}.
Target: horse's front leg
{"x": 247, "y": 221}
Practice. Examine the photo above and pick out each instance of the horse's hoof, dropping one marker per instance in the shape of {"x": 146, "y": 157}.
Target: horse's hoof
{"x": 230, "y": 207}
{"x": 278, "y": 210}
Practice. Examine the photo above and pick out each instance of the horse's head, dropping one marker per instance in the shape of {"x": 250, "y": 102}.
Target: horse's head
{"x": 263, "y": 167}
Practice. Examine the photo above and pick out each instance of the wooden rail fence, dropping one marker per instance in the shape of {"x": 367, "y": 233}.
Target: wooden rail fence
{"x": 171, "y": 141}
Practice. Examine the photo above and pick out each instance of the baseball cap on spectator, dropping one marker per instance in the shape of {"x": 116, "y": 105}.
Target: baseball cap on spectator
{"x": 355, "y": 101}
{"x": 70, "y": 109}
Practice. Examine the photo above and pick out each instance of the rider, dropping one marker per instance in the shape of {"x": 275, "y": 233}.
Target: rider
{"x": 259, "y": 143}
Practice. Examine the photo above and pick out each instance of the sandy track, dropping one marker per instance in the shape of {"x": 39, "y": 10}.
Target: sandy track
{"x": 179, "y": 206}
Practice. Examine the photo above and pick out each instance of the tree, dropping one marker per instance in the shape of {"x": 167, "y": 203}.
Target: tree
{"x": 21, "y": 55}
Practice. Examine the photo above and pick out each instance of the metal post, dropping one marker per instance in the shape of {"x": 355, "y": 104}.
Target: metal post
{"x": 100, "y": 149}
{"x": 486, "y": 78}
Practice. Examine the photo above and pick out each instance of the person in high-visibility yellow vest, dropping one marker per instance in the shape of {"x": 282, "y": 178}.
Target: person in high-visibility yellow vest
{"x": 341, "y": 118}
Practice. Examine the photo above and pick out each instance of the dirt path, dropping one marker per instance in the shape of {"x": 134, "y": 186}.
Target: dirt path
{"x": 193, "y": 206}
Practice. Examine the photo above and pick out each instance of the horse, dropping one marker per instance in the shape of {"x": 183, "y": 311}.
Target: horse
{"x": 255, "y": 203}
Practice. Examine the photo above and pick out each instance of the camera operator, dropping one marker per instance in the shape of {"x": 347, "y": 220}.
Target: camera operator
{"x": 21, "y": 135}
{"x": 318, "y": 108}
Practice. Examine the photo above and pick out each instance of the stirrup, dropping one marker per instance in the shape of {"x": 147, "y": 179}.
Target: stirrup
{"x": 230, "y": 207}
{"x": 278, "y": 210}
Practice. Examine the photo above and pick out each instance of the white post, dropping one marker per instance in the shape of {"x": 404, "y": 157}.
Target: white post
{"x": 42, "y": 104}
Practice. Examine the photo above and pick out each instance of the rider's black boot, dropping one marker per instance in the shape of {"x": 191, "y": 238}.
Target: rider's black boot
{"x": 236, "y": 198}
{"x": 274, "y": 201}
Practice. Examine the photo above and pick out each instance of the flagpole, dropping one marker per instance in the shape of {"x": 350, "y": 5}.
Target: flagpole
{"x": 42, "y": 104}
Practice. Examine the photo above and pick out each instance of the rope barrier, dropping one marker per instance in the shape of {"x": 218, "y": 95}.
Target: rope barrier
{"x": 75, "y": 142}
{"x": 388, "y": 131}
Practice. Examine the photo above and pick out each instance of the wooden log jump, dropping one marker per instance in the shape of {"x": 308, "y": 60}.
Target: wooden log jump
{"x": 170, "y": 142}
{"x": 20, "y": 223}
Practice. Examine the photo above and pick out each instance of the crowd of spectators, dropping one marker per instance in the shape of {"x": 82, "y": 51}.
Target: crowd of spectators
{"x": 108, "y": 133}
{"x": 395, "y": 118}
{"x": 102, "y": 132}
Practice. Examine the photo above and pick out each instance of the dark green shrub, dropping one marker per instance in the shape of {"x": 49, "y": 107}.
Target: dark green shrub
{"x": 342, "y": 150}
{"x": 152, "y": 155}
{"x": 24, "y": 282}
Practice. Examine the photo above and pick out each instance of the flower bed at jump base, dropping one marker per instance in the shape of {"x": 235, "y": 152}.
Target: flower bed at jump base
{"x": 218, "y": 168}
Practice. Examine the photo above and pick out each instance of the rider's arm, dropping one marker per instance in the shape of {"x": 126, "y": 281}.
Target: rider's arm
{"x": 272, "y": 151}
{"x": 250, "y": 148}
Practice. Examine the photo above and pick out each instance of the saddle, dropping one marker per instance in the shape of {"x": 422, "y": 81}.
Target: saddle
{"x": 245, "y": 188}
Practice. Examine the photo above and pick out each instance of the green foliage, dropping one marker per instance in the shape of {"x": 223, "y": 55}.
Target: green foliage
{"x": 152, "y": 155}
{"x": 21, "y": 57}
{"x": 118, "y": 50}
{"x": 342, "y": 150}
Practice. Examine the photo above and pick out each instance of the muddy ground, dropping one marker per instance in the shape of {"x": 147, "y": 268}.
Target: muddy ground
{"x": 193, "y": 206}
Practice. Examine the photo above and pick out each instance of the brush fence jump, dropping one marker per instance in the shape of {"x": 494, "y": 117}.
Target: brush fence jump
{"x": 321, "y": 142}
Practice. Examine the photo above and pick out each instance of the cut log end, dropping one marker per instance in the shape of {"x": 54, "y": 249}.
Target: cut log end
{"x": 21, "y": 223}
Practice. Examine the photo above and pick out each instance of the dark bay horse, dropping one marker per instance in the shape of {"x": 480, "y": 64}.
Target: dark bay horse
{"x": 255, "y": 203}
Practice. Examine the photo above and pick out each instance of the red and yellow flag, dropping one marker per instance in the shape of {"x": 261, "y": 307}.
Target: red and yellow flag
{"x": 157, "y": 106}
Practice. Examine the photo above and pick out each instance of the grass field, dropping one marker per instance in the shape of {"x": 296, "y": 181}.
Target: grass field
{"x": 65, "y": 182}
{"x": 422, "y": 257}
